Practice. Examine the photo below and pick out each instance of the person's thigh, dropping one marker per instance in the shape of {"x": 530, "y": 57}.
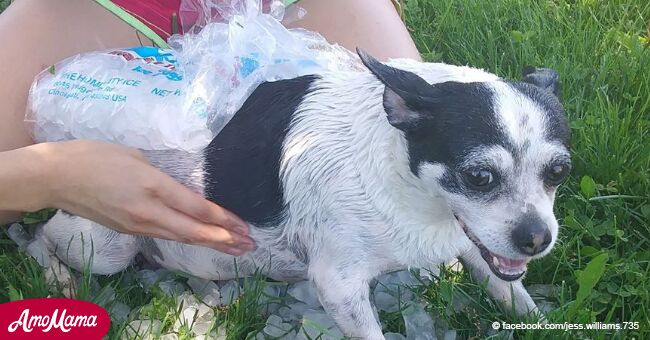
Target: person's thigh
{"x": 37, "y": 33}
{"x": 373, "y": 25}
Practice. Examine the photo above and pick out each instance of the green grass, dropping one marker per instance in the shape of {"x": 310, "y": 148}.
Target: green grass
{"x": 601, "y": 50}
{"x": 601, "y": 263}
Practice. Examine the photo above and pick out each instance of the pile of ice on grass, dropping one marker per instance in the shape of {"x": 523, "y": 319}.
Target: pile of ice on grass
{"x": 293, "y": 311}
{"x": 177, "y": 98}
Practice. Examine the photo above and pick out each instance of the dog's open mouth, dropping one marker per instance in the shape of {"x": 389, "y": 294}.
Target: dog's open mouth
{"x": 504, "y": 268}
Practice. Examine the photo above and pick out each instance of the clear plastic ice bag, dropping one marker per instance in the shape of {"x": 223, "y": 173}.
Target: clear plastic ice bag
{"x": 179, "y": 98}
{"x": 135, "y": 97}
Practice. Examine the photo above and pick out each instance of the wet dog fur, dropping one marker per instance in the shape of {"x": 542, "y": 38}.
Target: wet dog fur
{"x": 344, "y": 176}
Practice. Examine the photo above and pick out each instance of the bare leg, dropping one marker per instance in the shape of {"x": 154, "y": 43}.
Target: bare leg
{"x": 373, "y": 25}
{"x": 38, "y": 33}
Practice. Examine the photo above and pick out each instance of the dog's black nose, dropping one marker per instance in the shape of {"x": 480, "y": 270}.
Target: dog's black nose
{"x": 531, "y": 236}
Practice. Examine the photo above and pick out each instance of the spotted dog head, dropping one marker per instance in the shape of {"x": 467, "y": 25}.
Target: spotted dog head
{"x": 496, "y": 151}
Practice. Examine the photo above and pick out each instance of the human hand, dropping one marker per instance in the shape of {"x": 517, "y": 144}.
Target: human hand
{"x": 116, "y": 186}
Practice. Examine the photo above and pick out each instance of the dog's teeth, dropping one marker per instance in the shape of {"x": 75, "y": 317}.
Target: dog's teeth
{"x": 495, "y": 261}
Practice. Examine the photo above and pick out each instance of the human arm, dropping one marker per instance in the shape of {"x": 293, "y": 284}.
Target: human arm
{"x": 115, "y": 186}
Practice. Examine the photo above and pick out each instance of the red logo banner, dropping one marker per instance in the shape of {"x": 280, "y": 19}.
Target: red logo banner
{"x": 52, "y": 318}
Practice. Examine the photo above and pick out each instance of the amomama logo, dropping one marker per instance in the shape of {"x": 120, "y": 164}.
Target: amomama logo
{"x": 52, "y": 318}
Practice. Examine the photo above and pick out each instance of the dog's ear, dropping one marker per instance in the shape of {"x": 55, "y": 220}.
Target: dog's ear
{"x": 404, "y": 94}
{"x": 545, "y": 78}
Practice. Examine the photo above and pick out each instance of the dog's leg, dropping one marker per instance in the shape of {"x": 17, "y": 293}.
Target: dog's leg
{"x": 344, "y": 293}
{"x": 81, "y": 244}
{"x": 509, "y": 294}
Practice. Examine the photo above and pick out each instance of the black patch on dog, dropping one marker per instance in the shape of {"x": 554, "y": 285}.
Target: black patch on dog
{"x": 242, "y": 163}
{"x": 460, "y": 119}
{"x": 442, "y": 122}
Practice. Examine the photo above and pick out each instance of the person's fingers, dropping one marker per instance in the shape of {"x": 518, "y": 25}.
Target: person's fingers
{"x": 188, "y": 230}
{"x": 155, "y": 231}
{"x": 184, "y": 200}
{"x": 222, "y": 216}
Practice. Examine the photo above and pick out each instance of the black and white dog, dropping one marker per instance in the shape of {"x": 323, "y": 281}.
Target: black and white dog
{"x": 344, "y": 176}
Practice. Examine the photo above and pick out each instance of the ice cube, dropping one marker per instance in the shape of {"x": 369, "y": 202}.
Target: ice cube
{"x": 255, "y": 335}
{"x": 293, "y": 311}
{"x": 285, "y": 313}
{"x": 201, "y": 328}
{"x": 202, "y": 287}
{"x": 229, "y": 292}
{"x": 188, "y": 315}
{"x": 18, "y": 235}
{"x": 430, "y": 274}
{"x": 386, "y": 302}
{"x": 171, "y": 287}
{"x": 269, "y": 293}
{"x": 269, "y": 302}
{"x": 202, "y": 337}
{"x": 418, "y": 323}
{"x": 59, "y": 274}
{"x": 194, "y": 315}
{"x": 454, "y": 265}
{"x": 304, "y": 291}
{"x": 213, "y": 300}
{"x": 186, "y": 318}
{"x": 186, "y": 300}
{"x": 317, "y": 323}
{"x": 289, "y": 336}
{"x": 275, "y": 327}
{"x": 397, "y": 284}
{"x": 203, "y": 320}
{"x": 207, "y": 290}
{"x": 147, "y": 278}
{"x": 38, "y": 250}
{"x": 169, "y": 336}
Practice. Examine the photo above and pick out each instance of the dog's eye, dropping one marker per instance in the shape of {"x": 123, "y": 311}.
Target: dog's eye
{"x": 480, "y": 179}
{"x": 556, "y": 174}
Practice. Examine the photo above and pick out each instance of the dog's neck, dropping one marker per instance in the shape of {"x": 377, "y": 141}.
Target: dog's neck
{"x": 419, "y": 215}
